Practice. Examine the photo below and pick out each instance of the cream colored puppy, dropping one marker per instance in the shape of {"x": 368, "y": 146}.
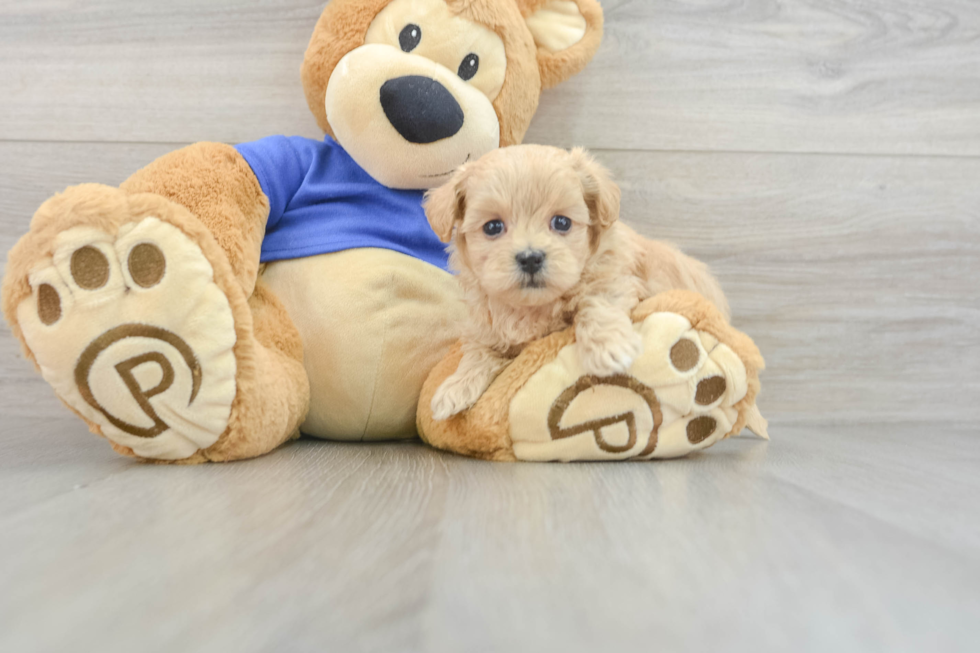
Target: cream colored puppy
{"x": 538, "y": 248}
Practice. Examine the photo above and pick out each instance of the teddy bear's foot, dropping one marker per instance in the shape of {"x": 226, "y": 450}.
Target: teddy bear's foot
{"x": 694, "y": 383}
{"x": 133, "y": 333}
{"x": 679, "y": 396}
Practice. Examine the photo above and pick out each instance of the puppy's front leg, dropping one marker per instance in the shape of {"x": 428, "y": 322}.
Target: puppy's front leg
{"x": 607, "y": 342}
{"x": 478, "y": 368}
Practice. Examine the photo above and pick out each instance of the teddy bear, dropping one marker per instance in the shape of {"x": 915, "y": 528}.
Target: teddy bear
{"x": 224, "y": 299}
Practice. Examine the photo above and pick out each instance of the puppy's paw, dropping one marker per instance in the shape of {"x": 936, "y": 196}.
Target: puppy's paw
{"x": 456, "y": 395}
{"x": 610, "y": 353}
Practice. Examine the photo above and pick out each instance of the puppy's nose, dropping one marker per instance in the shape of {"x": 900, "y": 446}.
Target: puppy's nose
{"x": 421, "y": 109}
{"x": 530, "y": 261}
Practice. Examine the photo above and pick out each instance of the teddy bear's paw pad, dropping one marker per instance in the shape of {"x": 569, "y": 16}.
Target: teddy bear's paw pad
{"x": 132, "y": 332}
{"x": 678, "y": 397}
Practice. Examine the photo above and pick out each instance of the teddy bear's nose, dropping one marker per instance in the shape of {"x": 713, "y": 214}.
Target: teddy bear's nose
{"x": 421, "y": 109}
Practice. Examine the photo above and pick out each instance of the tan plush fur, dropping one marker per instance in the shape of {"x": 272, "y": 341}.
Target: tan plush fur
{"x": 213, "y": 182}
{"x": 341, "y": 28}
{"x": 593, "y": 274}
{"x": 484, "y": 430}
{"x": 343, "y": 25}
{"x": 556, "y": 67}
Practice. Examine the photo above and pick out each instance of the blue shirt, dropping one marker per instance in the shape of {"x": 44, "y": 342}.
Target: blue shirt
{"x": 321, "y": 201}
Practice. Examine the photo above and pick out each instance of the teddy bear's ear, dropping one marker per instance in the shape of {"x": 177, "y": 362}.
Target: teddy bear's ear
{"x": 567, "y": 34}
{"x": 446, "y": 205}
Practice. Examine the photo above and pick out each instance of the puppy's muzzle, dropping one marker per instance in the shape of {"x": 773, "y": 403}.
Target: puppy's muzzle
{"x": 421, "y": 109}
{"x": 530, "y": 261}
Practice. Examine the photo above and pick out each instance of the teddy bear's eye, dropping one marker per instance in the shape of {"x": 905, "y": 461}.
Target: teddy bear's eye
{"x": 469, "y": 67}
{"x": 410, "y": 37}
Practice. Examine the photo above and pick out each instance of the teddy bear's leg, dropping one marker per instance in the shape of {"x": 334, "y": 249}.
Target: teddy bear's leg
{"x": 216, "y": 184}
{"x": 140, "y": 308}
{"x": 274, "y": 394}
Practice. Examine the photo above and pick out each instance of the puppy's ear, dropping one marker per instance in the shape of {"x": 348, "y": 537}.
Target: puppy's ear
{"x": 446, "y": 205}
{"x": 602, "y": 195}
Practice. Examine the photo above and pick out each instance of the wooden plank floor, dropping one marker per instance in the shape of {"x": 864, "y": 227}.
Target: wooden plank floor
{"x": 838, "y": 539}
{"x": 822, "y": 155}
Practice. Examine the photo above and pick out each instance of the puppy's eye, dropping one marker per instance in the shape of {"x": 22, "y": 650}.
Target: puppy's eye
{"x": 561, "y": 224}
{"x": 469, "y": 67}
{"x": 494, "y": 228}
{"x": 410, "y": 37}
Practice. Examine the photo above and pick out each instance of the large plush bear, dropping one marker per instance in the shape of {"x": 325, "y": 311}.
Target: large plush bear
{"x": 224, "y": 298}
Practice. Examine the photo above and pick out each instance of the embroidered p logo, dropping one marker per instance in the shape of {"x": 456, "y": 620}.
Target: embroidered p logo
{"x": 126, "y": 370}
{"x": 631, "y": 408}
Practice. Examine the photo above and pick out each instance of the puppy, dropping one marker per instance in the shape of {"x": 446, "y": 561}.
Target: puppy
{"x": 537, "y": 247}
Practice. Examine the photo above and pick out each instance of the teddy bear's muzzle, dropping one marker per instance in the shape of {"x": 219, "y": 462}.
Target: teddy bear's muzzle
{"x": 421, "y": 109}
{"x": 406, "y": 119}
